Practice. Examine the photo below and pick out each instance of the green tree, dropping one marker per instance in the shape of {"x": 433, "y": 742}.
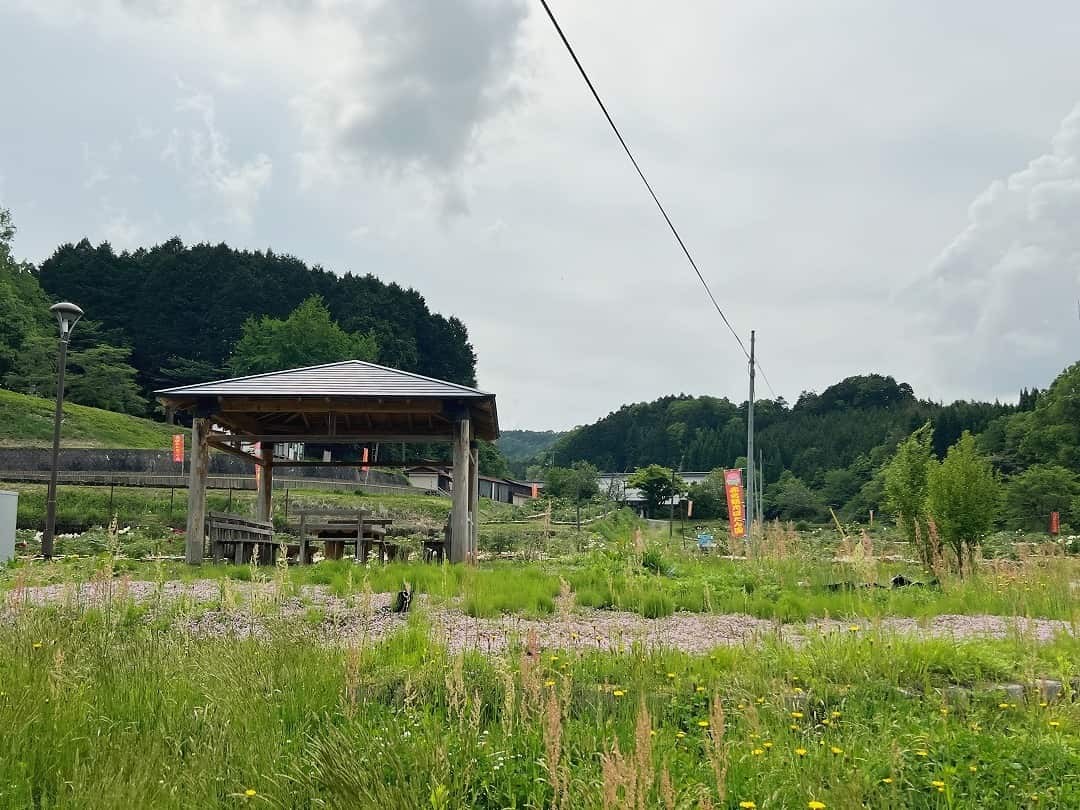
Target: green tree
{"x": 906, "y": 479}
{"x": 308, "y": 337}
{"x": 491, "y": 461}
{"x": 962, "y": 497}
{"x": 1032, "y": 495}
{"x": 24, "y": 309}
{"x": 103, "y": 378}
{"x": 709, "y": 496}
{"x": 658, "y": 485}
{"x": 791, "y": 499}
{"x": 577, "y": 483}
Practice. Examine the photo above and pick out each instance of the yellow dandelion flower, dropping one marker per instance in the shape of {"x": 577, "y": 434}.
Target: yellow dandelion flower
{"x": 618, "y": 693}
{"x": 854, "y": 628}
{"x": 938, "y": 783}
{"x": 793, "y": 727}
{"x": 887, "y": 780}
{"x": 1043, "y": 704}
{"x": 652, "y": 732}
{"x": 549, "y": 683}
{"x": 1003, "y": 705}
{"x": 973, "y": 768}
{"x": 826, "y": 722}
{"x": 699, "y": 689}
{"x": 814, "y": 804}
{"x": 836, "y": 750}
{"x": 740, "y": 706}
{"x": 944, "y": 710}
{"x": 766, "y": 744}
{"x": 941, "y": 790}
{"x": 37, "y": 645}
{"x": 759, "y": 701}
{"x": 835, "y": 715}
{"x": 797, "y": 715}
{"x": 680, "y": 734}
{"x": 249, "y": 793}
{"x": 757, "y": 752}
{"x": 922, "y": 752}
{"x": 1055, "y": 723}
{"x": 671, "y": 674}
{"x": 800, "y": 752}
{"x": 703, "y": 723}
{"x": 748, "y": 805}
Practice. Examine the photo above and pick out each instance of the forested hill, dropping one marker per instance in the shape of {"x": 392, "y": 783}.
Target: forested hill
{"x": 523, "y": 445}
{"x": 181, "y": 309}
{"x": 833, "y": 441}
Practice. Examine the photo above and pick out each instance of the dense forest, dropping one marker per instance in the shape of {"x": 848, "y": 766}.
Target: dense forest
{"x": 174, "y": 314}
{"x": 828, "y": 449}
{"x": 520, "y": 447}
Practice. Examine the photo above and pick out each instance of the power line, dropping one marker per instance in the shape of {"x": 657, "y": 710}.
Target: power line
{"x": 641, "y": 174}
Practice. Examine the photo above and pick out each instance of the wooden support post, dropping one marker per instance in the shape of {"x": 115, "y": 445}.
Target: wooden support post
{"x": 264, "y": 499}
{"x": 459, "y": 529}
{"x": 199, "y": 466}
{"x": 474, "y": 499}
{"x": 264, "y": 504}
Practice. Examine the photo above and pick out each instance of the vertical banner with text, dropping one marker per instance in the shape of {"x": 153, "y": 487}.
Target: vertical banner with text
{"x": 257, "y": 451}
{"x": 736, "y": 504}
{"x": 1055, "y": 523}
{"x": 178, "y": 448}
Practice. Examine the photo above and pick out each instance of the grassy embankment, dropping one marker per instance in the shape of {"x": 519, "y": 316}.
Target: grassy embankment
{"x": 27, "y": 421}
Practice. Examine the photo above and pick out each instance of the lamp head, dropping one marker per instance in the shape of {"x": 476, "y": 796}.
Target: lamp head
{"x": 67, "y": 315}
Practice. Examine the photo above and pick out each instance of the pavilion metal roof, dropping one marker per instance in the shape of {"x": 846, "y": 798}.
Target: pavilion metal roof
{"x": 349, "y": 378}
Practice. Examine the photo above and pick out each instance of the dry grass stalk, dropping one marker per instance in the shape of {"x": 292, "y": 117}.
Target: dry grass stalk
{"x": 565, "y": 600}
{"x": 618, "y": 781}
{"x": 352, "y": 679}
{"x": 717, "y": 748}
{"x": 553, "y": 748}
{"x": 643, "y": 757}
{"x": 455, "y": 686}
{"x": 19, "y": 594}
{"x": 936, "y": 557}
{"x": 530, "y": 677}
{"x": 667, "y": 792}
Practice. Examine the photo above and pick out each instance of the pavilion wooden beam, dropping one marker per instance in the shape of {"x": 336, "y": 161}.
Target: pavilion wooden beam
{"x": 349, "y": 438}
{"x": 200, "y": 466}
{"x": 217, "y": 444}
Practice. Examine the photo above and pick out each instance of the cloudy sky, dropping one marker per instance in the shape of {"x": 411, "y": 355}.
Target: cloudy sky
{"x": 890, "y": 186}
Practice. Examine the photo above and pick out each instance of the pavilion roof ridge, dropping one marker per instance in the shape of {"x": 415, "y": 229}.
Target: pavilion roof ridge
{"x": 211, "y": 387}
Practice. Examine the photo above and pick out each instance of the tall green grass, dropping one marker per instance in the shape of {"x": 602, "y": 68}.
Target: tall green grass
{"x": 103, "y": 709}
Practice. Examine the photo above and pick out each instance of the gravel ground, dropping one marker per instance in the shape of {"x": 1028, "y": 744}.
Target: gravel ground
{"x": 336, "y": 620}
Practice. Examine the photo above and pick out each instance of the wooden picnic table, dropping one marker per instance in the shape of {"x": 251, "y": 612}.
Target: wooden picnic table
{"x": 337, "y": 528}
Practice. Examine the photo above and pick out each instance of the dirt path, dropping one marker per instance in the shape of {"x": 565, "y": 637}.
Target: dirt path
{"x": 335, "y": 619}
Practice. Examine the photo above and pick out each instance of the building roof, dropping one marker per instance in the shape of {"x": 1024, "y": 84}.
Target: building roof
{"x": 349, "y": 378}
{"x": 348, "y": 401}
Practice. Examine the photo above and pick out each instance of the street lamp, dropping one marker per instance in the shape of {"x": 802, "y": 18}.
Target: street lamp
{"x": 67, "y": 315}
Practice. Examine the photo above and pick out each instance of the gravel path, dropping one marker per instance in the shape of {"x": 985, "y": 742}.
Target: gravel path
{"x": 335, "y": 620}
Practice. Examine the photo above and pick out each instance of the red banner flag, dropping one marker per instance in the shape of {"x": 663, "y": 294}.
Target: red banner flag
{"x": 1055, "y": 523}
{"x": 736, "y": 503}
{"x": 178, "y": 448}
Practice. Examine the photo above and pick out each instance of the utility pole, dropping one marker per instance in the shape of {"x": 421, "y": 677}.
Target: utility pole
{"x": 751, "y": 482}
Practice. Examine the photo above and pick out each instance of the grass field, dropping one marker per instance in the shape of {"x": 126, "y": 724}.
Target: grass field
{"x": 270, "y": 696}
{"x": 102, "y": 709}
{"x": 27, "y": 421}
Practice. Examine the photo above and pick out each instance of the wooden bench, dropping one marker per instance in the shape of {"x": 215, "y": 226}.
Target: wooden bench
{"x": 243, "y": 534}
{"x": 337, "y": 528}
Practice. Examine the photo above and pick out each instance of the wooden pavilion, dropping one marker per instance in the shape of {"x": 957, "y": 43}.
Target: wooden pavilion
{"x": 351, "y": 402}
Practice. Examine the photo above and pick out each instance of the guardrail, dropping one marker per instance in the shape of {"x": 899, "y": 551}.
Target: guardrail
{"x": 240, "y": 482}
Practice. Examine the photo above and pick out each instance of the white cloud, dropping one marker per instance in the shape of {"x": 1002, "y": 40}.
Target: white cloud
{"x": 1003, "y": 293}
{"x": 202, "y": 155}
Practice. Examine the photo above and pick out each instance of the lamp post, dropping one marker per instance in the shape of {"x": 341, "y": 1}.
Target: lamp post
{"x": 67, "y": 315}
